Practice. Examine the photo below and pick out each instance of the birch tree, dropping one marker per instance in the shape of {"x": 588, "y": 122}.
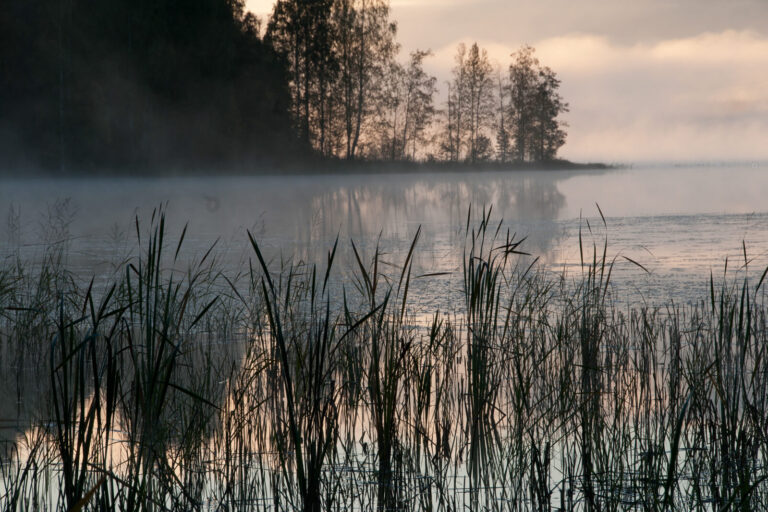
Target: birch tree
{"x": 366, "y": 46}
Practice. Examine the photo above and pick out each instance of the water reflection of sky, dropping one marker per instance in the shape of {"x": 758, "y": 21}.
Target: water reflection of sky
{"x": 679, "y": 222}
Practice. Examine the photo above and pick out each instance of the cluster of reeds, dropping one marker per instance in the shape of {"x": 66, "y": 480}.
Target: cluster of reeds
{"x": 287, "y": 388}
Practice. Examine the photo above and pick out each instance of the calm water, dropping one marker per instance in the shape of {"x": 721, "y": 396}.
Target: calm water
{"x": 680, "y": 223}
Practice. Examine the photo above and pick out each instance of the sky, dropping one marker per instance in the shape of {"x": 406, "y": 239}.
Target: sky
{"x": 651, "y": 80}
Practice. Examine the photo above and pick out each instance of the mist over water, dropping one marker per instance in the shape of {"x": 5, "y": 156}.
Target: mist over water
{"x": 680, "y": 223}
{"x": 667, "y": 228}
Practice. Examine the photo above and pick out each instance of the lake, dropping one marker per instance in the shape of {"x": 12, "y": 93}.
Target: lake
{"x": 482, "y": 407}
{"x": 679, "y": 222}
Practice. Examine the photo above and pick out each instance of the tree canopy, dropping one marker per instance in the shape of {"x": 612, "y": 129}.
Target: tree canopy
{"x": 136, "y": 83}
{"x": 159, "y": 83}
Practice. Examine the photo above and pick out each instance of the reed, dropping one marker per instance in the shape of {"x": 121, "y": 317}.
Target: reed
{"x": 285, "y": 386}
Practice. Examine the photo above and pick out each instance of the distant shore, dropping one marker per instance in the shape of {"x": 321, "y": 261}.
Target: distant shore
{"x": 310, "y": 167}
{"x": 387, "y": 167}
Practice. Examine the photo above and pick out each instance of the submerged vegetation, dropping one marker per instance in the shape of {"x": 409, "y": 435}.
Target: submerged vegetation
{"x": 280, "y": 389}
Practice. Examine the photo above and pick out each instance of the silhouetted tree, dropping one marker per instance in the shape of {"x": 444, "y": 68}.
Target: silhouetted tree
{"x": 470, "y": 107}
{"x": 157, "y": 83}
{"x": 366, "y": 47}
{"x": 455, "y": 123}
{"x": 405, "y": 111}
{"x": 522, "y": 84}
{"x": 339, "y": 54}
{"x": 384, "y": 143}
{"x": 479, "y": 107}
{"x": 503, "y": 138}
{"x": 548, "y": 134}
{"x": 420, "y": 89}
{"x": 302, "y": 31}
{"x": 535, "y": 105}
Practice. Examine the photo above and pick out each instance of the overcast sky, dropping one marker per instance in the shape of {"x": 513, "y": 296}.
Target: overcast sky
{"x": 646, "y": 80}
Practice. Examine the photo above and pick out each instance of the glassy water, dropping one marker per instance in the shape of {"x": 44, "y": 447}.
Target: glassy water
{"x": 667, "y": 228}
{"x": 679, "y": 222}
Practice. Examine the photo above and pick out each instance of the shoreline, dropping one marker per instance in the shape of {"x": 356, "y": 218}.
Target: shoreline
{"x": 313, "y": 168}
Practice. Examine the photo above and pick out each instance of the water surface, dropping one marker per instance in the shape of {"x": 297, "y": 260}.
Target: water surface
{"x": 679, "y": 222}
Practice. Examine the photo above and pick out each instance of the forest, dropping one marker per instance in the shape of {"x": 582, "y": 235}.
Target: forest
{"x": 131, "y": 85}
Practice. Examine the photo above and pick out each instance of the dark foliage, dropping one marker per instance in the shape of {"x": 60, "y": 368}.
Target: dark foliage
{"x": 139, "y": 84}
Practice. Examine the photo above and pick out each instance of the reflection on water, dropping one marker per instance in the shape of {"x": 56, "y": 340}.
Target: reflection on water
{"x": 679, "y": 222}
{"x": 678, "y": 243}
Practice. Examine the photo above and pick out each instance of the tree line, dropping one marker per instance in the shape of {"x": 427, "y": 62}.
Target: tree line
{"x": 139, "y": 84}
{"x": 520, "y": 109}
{"x": 352, "y": 98}
{"x": 127, "y": 83}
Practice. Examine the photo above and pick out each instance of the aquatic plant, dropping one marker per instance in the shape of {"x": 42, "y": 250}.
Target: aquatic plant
{"x": 285, "y": 386}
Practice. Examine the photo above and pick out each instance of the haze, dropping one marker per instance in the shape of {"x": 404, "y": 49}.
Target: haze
{"x": 652, "y": 80}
